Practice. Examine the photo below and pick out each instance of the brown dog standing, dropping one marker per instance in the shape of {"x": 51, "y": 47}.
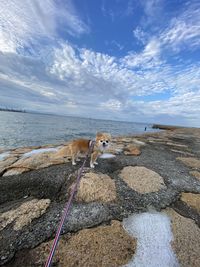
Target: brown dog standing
{"x": 80, "y": 146}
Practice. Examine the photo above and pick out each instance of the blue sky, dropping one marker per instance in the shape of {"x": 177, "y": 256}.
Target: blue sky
{"x": 114, "y": 59}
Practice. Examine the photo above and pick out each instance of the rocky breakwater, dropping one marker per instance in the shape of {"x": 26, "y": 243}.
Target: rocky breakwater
{"x": 149, "y": 192}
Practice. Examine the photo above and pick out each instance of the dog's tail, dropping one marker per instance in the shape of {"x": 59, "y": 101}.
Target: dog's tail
{"x": 63, "y": 152}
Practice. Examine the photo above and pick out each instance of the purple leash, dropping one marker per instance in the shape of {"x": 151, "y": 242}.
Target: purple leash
{"x": 67, "y": 209}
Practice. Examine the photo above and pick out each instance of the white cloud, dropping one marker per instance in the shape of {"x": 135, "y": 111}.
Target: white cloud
{"x": 184, "y": 31}
{"x": 148, "y": 58}
{"x": 66, "y": 79}
{"x": 83, "y": 82}
{"x": 151, "y": 7}
{"x": 140, "y": 35}
{"x": 23, "y": 22}
{"x": 112, "y": 104}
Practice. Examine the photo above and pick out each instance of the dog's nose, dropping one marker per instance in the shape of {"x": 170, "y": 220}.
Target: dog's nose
{"x": 104, "y": 144}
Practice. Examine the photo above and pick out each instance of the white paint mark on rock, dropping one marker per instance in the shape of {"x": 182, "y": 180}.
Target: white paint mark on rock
{"x": 38, "y": 151}
{"x": 107, "y": 156}
{"x": 4, "y": 155}
{"x": 154, "y": 237}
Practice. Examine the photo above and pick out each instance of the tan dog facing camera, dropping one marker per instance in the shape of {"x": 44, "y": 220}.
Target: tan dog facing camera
{"x": 81, "y": 146}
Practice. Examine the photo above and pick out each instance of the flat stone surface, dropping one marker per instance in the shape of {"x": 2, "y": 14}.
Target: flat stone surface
{"x": 96, "y": 187}
{"x": 191, "y": 162}
{"x": 192, "y": 200}
{"x": 103, "y": 246}
{"x": 142, "y": 180}
{"x": 24, "y": 214}
{"x": 186, "y": 242}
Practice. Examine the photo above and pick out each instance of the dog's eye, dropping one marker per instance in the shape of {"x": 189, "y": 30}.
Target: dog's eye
{"x": 101, "y": 141}
{"x": 106, "y": 141}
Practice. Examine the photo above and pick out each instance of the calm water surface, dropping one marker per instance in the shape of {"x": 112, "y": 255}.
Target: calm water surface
{"x": 26, "y": 129}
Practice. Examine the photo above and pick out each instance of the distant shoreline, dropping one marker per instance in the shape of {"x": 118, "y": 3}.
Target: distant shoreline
{"x": 13, "y": 110}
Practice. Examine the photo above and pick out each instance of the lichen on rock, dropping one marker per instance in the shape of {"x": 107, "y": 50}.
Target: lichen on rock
{"x": 186, "y": 243}
{"x": 196, "y": 174}
{"x": 96, "y": 187}
{"x": 103, "y": 246}
{"x": 24, "y": 214}
{"x": 141, "y": 179}
{"x": 192, "y": 200}
{"x": 191, "y": 162}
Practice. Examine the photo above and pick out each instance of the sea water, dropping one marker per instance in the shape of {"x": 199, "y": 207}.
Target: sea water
{"x": 27, "y": 129}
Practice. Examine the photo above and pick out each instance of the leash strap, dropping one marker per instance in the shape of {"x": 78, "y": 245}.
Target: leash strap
{"x": 67, "y": 209}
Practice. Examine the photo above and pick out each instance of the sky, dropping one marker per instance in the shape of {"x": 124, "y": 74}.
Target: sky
{"x": 130, "y": 60}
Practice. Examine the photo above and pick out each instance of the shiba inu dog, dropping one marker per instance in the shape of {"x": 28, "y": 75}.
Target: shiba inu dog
{"x": 81, "y": 146}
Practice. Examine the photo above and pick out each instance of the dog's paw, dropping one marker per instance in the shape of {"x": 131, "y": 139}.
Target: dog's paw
{"x": 92, "y": 165}
{"x": 96, "y": 163}
{"x": 73, "y": 163}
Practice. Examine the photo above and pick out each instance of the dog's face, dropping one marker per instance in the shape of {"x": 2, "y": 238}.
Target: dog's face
{"x": 103, "y": 140}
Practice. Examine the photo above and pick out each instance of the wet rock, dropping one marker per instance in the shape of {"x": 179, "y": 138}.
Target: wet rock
{"x": 96, "y": 187}
{"x": 142, "y": 180}
{"x": 24, "y": 214}
{"x": 191, "y": 162}
{"x": 186, "y": 243}
{"x": 104, "y": 246}
{"x": 192, "y": 200}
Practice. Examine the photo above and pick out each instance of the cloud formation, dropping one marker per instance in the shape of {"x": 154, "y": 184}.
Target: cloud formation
{"x": 22, "y": 23}
{"x": 40, "y": 70}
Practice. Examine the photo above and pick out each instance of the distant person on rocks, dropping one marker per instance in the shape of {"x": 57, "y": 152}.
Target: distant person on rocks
{"x": 145, "y": 129}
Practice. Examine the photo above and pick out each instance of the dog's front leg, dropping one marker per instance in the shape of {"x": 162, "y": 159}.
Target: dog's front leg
{"x": 93, "y": 159}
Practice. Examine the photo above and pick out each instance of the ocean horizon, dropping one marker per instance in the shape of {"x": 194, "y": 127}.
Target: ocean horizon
{"x": 18, "y": 129}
